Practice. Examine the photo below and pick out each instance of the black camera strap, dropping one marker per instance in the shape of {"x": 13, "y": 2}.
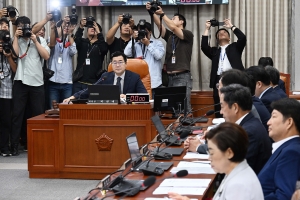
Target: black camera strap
{"x": 152, "y": 25}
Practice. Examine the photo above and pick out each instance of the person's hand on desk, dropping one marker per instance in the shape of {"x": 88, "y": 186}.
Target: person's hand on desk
{"x": 192, "y": 143}
{"x": 68, "y": 99}
{"x": 175, "y": 196}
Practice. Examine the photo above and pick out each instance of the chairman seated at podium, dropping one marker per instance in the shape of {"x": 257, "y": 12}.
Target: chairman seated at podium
{"x": 128, "y": 81}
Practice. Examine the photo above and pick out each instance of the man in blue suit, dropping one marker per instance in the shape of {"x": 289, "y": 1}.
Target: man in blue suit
{"x": 275, "y": 77}
{"x": 129, "y": 82}
{"x": 279, "y": 175}
{"x": 263, "y": 90}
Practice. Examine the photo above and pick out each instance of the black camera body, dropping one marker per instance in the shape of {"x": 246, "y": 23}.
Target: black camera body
{"x": 126, "y": 18}
{"x": 74, "y": 16}
{"x": 90, "y": 22}
{"x": 26, "y": 30}
{"x": 6, "y": 45}
{"x": 56, "y": 15}
{"x": 11, "y": 11}
{"x": 142, "y": 33}
{"x": 154, "y": 5}
{"x": 214, "y": 22}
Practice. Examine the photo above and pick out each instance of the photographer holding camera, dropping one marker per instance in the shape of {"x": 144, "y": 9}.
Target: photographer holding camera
{"x": 60, "y": 84}
{"x": 91, "y": 53}
{"x": 179, "y": 47}
{"x": 151, "y": 50}
{"x": 28, "y": 82}
{"x": 7, "y": 67}
{"x": 224, "y": 57}
{"x": 125, "y": 23}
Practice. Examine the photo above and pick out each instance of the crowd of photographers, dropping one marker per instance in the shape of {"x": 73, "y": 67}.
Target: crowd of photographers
{"x": 35, "y": 70}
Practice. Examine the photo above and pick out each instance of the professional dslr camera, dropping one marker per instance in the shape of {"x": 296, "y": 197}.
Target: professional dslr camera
{"x": 6, "y": 43}
{"x": 11, "y": 11}
{"x": 142, "y": 33}
{"x": 126, "y": 18}
{"x": 154, "y": 5}
{"x": 26, "y": 30}
{"x": 90, "y": 22}
{"x": 214, "y": 22}
{"x": 56, "y": 15}
{"x": 74, "y": 16}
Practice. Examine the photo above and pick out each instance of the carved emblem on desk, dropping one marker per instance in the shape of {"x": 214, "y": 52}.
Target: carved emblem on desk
{"x": 104, "y": 143}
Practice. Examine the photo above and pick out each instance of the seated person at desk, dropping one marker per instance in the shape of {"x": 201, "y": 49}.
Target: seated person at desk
{"x": 279, "y": 175}
{"x": 236, "y": 103}
{"x": 129, "y": 82}
{"x": 227, "y": 149}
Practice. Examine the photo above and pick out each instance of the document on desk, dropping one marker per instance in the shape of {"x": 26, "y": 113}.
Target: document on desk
{"x": 193, "y": 164}
{"x": 180, "y": 190}
{"x": 194, "y": 170}
{"x": 185, "y": 182}
{"x": 193, "y": 155}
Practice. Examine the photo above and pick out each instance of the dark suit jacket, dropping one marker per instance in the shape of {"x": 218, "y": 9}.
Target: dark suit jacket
{"x": 268, "y": 97}
{"x": 279, "y": 175}
{"x": 233, "y": 52}
{"x": 263, "y": 112}
{"x": 260, "y": 147}
{"x": 279, "y": 91}
{"x": 132, "y": 84}
{"x": 281, "y": 84}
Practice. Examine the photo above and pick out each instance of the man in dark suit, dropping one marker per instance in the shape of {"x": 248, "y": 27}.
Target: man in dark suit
{"x": 224, "y": 57}
{"x": 236, "y": 103}
{"x": 263, "y": 90}
{"x": 279, "y": 175}
{"x": 275, "y": 77}
{"x": 129, "y": 82}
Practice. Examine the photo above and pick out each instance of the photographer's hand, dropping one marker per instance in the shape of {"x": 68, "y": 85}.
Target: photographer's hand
{"x": 145, "y": 41}
{"x": 207, "y": 27}
{"x": 97, "y": 30}
{"x": 12, "y": 63}
{"x": 82, "y": 23}
{"x": 227, "y": 23}
{"x": 18, "y": 32}
{"x": 3, "y": 12}
{"x": 159, "y": 11}
{"x": 131, "y": 22}
{"x": 120, "y": 19}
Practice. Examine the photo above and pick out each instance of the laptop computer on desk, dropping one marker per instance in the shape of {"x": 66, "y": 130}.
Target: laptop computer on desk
{"x": 104, "y": 94}
{"x": 169, "y": 139}
{"x": 137, "y": 163}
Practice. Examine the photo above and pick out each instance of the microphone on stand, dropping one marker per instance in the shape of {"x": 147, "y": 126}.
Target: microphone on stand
{"x": 131, "y": 189}
{"x": 186, "y": 130}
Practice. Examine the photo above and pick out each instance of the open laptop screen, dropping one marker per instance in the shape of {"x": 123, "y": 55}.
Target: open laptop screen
{"x": 158, "y": 125}
{"x": 133, "y": 147}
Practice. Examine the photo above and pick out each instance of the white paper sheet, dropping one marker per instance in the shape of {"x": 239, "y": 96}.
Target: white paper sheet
{"x": 180, "y": 190}
{"x": 193, "y": 155}
{"x": 185, "y": 182}
{"x": 194, "y": 170}
{"x": 192, "y": 164}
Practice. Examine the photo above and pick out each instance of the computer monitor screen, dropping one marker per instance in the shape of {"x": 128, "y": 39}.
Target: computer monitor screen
{"x": 169, "y": 99}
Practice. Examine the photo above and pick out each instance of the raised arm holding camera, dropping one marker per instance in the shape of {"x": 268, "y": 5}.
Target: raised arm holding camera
{"x": 91, "y": 53}
{"x": 7, "y": 67}
{"x": 125, "y": 23}
{"x": 179, "y": 47}
{"x": 28, "y": 82}
{"x": 224, "y": 57}
{"x": 149, "y": 49}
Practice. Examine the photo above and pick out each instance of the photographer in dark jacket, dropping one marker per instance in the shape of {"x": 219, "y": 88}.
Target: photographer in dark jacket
{"x": 226, "y": 56}
{"x": 91, "y": 52}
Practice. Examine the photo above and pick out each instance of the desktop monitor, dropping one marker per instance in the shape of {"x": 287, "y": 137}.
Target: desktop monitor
{"x": 170, "y": 99}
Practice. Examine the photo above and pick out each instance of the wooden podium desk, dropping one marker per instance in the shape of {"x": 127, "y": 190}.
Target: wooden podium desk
{"x": 87, "y": 141}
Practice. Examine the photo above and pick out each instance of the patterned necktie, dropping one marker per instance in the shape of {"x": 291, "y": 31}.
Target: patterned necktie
{"x": 119, "y": 84}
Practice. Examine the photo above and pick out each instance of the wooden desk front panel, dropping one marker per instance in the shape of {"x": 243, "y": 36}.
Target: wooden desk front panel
{"x": 79, "y": 152}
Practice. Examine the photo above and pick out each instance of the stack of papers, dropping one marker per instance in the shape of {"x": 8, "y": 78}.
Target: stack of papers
{"x": 183, "y": 186}
{"x": 193, "y": 155}
{"x": 194, "y": 167}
